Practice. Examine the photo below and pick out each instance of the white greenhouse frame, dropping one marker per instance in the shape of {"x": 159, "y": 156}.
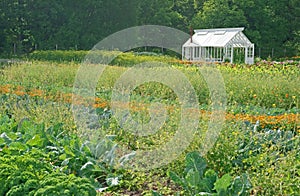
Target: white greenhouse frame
{"x": 218, "y": 45}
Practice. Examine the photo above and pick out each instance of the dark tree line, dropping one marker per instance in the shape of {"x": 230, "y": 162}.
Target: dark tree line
{"x": 26, "y": 25}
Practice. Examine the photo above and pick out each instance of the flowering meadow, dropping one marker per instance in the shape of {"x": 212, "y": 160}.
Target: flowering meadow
{"x": 256, "y": 153}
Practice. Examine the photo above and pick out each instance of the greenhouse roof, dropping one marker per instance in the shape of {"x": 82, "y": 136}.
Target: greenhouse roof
{"x": 219, "y": 38}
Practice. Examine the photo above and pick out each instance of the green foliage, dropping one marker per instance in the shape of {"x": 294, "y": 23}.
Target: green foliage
{"x": 113, "y": 57}
{"x": 39, "y": 161}
{"x": 261, "y": 153}
{"x": 131, "y": 59}
{"x": 30, "y": 127}
{"x": 295, "y": 43}
{"x": 63, "y": 25}
{"x": 198, "y": 180}
{"x": 30, "y": 173}
{"x": 58, "y": 56}
{"x": 271, "y": 85}
{"x": 219, "y": 13}
{"x": 266, "y": 84}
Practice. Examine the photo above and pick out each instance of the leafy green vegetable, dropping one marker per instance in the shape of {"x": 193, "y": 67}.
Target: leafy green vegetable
{"x": 222, "y": 184}
{"x": 39, "y": 161}
{"x": 195, "y": 183}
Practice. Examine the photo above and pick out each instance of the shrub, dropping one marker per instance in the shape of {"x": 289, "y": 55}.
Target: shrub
{"x": 114, "y": 57}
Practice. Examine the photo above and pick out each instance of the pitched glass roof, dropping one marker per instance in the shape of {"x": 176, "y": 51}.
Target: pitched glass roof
{"x": 219, "y": 37}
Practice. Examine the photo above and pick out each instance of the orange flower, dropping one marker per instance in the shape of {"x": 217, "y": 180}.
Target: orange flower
{"x": 36, "y": 93}
{"x": 97, "y": 99}
{"x": 67, "y": 97}
{"x": 20, "y": 93}
{"x": 19, "y": 88}
{"x": 5, "y": 89}
{"x": 100, "y": 105}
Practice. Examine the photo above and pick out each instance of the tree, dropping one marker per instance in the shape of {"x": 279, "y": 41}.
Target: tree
{"x": 16, "y": 30}
{"x": 25, "y": 24}
{"x": 187, "y": 8}
{"x": 271, "y": 24}
{"x": 46, "y": 19}
{"x": 219, "y": 13}
{"x": 159, "y": 12}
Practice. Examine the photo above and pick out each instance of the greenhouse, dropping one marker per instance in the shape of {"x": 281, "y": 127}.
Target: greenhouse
{"x": 219, "y": 45}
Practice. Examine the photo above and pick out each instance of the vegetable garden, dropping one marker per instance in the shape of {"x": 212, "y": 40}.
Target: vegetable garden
{"x": 41, "y": 152}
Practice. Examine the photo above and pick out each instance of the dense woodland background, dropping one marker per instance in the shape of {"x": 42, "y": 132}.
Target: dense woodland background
{"x": 26, "y": 25}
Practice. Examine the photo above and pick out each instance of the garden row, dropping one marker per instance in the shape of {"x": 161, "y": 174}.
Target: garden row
{"x": 273, "y": 119}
